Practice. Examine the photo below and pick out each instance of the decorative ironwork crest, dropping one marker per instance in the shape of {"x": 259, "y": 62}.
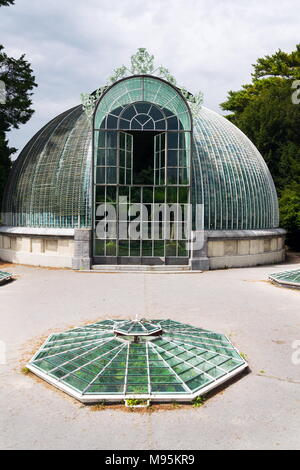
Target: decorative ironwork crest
{"x": 141, "y": 63}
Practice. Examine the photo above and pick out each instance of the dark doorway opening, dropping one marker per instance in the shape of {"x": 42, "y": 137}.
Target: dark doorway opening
{"x": 143, "y": 157}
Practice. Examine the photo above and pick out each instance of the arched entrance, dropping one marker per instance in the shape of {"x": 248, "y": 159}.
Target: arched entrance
{"x": 142, "y": 174}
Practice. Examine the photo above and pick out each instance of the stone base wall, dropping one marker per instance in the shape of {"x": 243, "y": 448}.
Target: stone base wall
{"x": 50, "y": 251}
{"x": 68, "y": 248}
{"x": 245, "y": 248}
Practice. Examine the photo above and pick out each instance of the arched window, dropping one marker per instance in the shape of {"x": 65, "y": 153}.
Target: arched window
{"x": 141, "y": 153}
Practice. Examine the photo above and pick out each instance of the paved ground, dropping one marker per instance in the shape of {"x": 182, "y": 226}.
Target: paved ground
{"x": 261, "y": 410}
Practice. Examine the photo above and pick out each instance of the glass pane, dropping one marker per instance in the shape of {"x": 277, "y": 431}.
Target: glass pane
{"x": 111, "y": 175}
{"x": 135, "y": 247}
{"x": 99, "y": 247}
{"x": 111, "y": 247}
{"x": 123, "y": 248}
{"x": 111, "y": 194}
{"x": 100, "y": 193}
{"x": 111, "y": 139}
{"x": 171, "y": 248}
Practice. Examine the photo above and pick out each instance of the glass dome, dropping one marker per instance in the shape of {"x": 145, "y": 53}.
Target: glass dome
{"x": 94, "y": 363}
{"x": 50, "y": 184}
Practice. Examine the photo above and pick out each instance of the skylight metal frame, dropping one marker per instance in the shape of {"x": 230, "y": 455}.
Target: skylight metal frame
{"x": 146, "y": 355}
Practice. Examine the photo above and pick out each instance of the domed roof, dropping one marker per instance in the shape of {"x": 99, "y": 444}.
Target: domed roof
{"x": 50, "y": 184}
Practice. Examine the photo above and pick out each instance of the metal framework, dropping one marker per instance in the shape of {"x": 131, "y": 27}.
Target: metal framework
{"x": 50, "y": 184}
{"x": 144, "y": 104}
{"x": 154, "y": 359}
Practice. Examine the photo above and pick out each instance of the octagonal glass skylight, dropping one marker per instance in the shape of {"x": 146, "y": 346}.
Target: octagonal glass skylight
{"x": 5, "y": 276}
{"x": 96, "y": 362}
{"x": 287, "y": 278}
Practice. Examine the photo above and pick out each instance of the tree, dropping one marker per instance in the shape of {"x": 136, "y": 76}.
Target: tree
{"x": 18, "y": 79}
{"x": 5, "y": 3}
{"x": 264, "y": 111}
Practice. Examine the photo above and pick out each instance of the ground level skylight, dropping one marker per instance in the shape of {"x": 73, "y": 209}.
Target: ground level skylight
{"x": 5, "y": 276}
{"x": 115, "y": 360}
{"x": 287, "y": 278}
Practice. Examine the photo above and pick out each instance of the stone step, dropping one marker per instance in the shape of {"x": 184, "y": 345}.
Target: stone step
{"x": 141, "y": 268}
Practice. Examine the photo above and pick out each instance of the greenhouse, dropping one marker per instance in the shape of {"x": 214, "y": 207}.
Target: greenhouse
{"x": 116, "y": 360}
{"x": 287, "y": 278}
{"x": 140, "y": 151}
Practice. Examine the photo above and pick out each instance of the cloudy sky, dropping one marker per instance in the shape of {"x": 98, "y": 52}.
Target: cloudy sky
{"x": 208, "y": 45}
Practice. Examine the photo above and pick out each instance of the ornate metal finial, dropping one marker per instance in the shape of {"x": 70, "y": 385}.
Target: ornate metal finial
{"x": 141, "y": 63}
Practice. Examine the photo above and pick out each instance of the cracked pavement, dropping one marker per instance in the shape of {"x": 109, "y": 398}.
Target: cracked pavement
{"x": 260, "y": 410}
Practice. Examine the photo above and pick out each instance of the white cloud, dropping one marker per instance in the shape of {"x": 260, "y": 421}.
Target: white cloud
{"x": 208, "y": 45}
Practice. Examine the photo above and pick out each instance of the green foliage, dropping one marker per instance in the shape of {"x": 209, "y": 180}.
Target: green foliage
{"x": 19, "y": 83}
{"x": 136, "y": 402}
{"x": 198, "y": 402}
{"x": 264, "y": 111}
{"x": 5, "y": 162}
{"x": 289, "y": 206}
{"x": 6, "y": 3}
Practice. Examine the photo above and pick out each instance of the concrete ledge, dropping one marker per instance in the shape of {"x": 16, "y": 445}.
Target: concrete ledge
{"x": 244, "y": 234}
{"x": 59, "y": 232}
{"x": 240, "y": 261}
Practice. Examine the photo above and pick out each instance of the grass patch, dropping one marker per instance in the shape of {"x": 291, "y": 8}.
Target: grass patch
{"x": 131, "y": 402}
{"x": 198, "y": 402}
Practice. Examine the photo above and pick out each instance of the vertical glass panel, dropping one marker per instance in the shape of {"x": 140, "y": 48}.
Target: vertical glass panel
{"x": 159, "y": 248}
{"x": 100, "y": 175}
{"x": 172, "y": 195}
{"x": 172, "y": 158}
{"x": 172, "y": 176}
{"x": 111, "y": 247}
{"x": 100, "y": 139}
{"x": 135, "y": 248}
{"x": 111, "y": 194}
{"x": 183, "y": 195}
{"x": 101, "y": 157}
{"x": 171, "y": 246}
{"x": 111, "y": 159}
{"x": 100, "y": 193}
{"x": 99, "y": 247}
{"x": 111, "y": 175}
{"x": 147, "y": 248}
{"x": 172, "y": 140}
{"x": 111, "y": 139}
{"x": 147, "y": 195}
{"x": 123, "y": 248}
{"x": 159, "y": 194}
